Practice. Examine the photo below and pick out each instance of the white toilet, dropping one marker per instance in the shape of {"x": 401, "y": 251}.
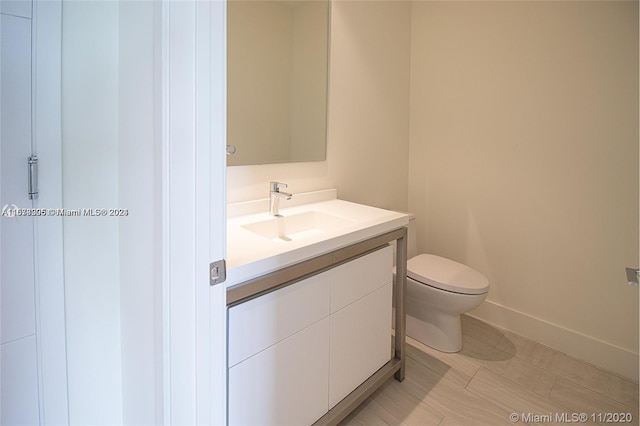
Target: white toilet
{"x": 439, "y": 290}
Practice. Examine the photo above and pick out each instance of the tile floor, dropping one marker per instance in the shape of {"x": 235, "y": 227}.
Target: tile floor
{"x": 497, "y": 375}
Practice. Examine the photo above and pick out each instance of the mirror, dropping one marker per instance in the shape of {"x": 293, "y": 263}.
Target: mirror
{"x": 277, "y": 72}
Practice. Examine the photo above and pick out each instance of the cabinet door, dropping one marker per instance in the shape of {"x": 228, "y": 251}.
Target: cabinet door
{"x": 355, "y": 279}
{"x": 259, "y": 323}
{"x": 286, "y": 384}
{"x": 360, "y": 342}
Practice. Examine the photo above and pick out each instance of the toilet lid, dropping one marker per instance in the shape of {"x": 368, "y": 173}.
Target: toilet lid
{"x": 446, "y": 274}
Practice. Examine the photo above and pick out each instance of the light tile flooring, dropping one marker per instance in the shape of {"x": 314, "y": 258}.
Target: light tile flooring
{"x": 497, "y": 374}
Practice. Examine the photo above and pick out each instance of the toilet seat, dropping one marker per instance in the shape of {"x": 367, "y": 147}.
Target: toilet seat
{"x": 446, "y": 274}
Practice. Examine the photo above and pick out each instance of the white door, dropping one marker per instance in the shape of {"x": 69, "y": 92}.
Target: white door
{"x": 33, "y": 378}
{"x": 19, "y": 402}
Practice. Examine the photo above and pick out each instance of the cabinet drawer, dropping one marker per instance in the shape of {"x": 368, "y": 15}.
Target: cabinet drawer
{"x": 355, "y": 279}
{"x": 285, "y": 384}
{"x": 360, "y": 342}
{"x": 259, "y": 323}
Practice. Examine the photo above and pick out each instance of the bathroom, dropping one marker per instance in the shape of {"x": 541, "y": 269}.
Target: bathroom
{"x": 510, "y": 129}
{"x": 482, "y": 119}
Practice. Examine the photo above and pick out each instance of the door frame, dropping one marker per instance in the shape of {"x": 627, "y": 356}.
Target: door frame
{"x": 194, "y": 210}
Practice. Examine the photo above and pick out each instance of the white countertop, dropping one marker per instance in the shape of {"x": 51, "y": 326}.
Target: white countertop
{"x": 250, "y": 255}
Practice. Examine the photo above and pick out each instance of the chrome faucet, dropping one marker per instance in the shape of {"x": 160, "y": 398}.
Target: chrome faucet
{"x": 274, "y": 197}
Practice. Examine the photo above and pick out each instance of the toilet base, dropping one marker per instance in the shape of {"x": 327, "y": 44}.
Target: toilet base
{"x": 441, "y": 332}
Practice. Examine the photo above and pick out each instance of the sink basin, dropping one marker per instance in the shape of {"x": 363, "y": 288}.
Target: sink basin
{"x": 313, "y": 223}
{"x": 296, "y": 226}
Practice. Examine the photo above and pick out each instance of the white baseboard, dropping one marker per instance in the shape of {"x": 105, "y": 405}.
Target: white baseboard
{"x": 601, "y": 354}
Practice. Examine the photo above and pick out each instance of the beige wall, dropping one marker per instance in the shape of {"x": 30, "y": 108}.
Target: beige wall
{"x": 369, "y": 101}
{"x": 524, "y": 163}
{"x": 368, "y": 131}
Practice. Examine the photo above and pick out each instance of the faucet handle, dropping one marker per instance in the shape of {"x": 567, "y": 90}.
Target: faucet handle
{"x": 275, "y": 186}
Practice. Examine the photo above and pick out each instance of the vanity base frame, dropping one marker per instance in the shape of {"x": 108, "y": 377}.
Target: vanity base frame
{"x": 287, "y": 276}
{"x": 395, "y": 368}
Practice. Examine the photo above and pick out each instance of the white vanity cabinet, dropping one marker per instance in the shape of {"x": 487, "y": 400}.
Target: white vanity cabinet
{"x": 285, "y": 384}
{"x": 278, "y": 356}
{"x": 297, "y": 351}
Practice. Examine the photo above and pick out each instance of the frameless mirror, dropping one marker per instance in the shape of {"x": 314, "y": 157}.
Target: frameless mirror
{"x": 277, "y": 67}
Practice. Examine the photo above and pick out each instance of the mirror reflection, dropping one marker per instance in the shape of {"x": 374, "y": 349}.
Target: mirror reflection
{"x": 277, "y": 65}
